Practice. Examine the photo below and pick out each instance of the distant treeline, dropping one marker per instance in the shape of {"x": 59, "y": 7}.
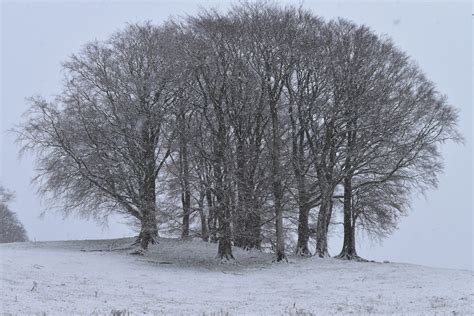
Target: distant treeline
{"x": 11, "y": 229}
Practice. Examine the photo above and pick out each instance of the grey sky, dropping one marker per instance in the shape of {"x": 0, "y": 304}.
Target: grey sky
{"x": 37, "y": 37}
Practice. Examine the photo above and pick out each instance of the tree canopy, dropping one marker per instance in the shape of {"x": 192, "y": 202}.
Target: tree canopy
{"x": 253, "y": 124}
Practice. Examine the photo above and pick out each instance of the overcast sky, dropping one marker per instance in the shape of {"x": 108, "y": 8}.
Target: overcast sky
{"x": 37, "y": 37}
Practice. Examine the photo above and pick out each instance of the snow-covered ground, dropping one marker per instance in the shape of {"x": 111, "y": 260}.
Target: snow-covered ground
{"x": 183, "y": 277}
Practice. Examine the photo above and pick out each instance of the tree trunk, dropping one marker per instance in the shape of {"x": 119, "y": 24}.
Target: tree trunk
{"x": 303, "y": 232}
{"x": 225, "y": 233}
{"x": 149, "y": 229}
{"x": 324, "y": 165}
{"x": 324, "y": 215}
{"x": 186, "y": 202}
{"x": 225, "y": 240}
{"x": 277, "y": 183}
{"x": 240, "y": 221}
{"x": 329, "y": 215}
{"x": 297, "y": 162}
{"x": 225, "y": 244}
{"x": 303, "y": 217}
{"x": 204, "y": 230}
{"x": 326, "y": 183}
{"x": 212, "y": 219}
{"x": 348, "y": 249}
{"x": 253, "y": 196}
{"x": 184, "y": 173}
{"x": 222, "y": 189}
{"x": 253, "y": 216}
{"x": 322, "y": 228}
{"x": 247, "y": 218}
{"x": 254, "y": 229}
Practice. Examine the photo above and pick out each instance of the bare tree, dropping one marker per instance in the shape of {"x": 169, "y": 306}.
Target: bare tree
{"x": 270, "y": 33}
{"x": 103, "y": 141}
{"x": 211, "y": 65}
{"x": 393, "y": 120}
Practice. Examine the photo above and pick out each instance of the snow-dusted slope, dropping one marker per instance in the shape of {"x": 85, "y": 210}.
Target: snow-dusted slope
{"x": 177, "y": 277}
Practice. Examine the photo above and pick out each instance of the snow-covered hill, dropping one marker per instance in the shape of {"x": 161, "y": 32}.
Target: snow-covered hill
{"x": 183, "y": 277}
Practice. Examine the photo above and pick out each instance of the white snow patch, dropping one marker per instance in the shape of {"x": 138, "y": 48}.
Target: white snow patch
{"x": 184, "y": 277}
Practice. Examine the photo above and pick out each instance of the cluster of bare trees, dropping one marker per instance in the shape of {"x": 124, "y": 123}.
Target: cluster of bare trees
{"x": 248, "y": 125}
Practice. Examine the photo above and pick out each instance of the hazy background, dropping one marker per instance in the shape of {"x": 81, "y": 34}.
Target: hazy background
{"x": 37, "y": 37}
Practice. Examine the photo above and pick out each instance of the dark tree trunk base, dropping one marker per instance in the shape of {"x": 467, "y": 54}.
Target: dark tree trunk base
{"x": 303, "y": 251}
{"x": 350, "y": 256}
{"x": 280, "y": 258}
{"x": 226, "y": 258}
{"x": 142, "y": 242}
{"x": 322, "y": 254}
{"x": 138, "y": 240}
{"x": 225, "y": 255}
{"x": 224, "y": 251}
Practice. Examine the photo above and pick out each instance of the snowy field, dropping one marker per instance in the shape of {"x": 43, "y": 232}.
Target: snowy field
{"x": 181, "y": 278}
